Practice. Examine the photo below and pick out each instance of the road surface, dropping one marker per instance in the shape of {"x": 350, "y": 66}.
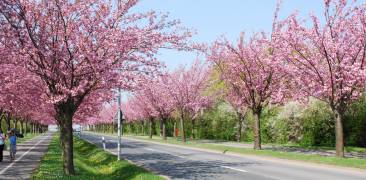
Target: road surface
{"x": 184, "y": 163}
{"x": 27, "y": 159}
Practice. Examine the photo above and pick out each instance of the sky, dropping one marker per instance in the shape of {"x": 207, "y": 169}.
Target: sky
{"x": 211, "y": 19}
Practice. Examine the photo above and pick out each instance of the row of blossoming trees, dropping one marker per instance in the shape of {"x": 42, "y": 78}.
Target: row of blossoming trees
{"x": 67, "y": 56}
{"x": 62, "y": 59}
{"x": 324, "y": 60}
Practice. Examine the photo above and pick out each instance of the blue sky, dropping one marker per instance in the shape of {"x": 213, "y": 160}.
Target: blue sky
{"x": 213, "y": 18}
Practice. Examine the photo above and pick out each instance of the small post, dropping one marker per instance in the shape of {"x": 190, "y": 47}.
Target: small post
{"x": 103, "y": 141}
{"x": 119, "y": 124}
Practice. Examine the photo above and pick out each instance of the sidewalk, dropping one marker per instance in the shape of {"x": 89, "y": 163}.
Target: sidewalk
{"x": 286, "y": 149}
{"x": 280, "y": 148}
{"x": 28, "y": 156}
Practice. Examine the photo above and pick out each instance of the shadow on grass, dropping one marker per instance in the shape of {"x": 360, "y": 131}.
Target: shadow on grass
{"x": 90, "y": 163}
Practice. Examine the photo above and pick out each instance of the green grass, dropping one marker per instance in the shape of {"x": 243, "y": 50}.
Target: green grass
{"x": 345, "y": 162}
{"x": 91, "y": 163}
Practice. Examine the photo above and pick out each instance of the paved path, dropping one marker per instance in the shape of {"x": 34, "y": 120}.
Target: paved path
{"x": 321, "y": 152}
{"x": 28, "y": 156}
{"x": 285, "y": 148}
{"x": 178, "y": 162}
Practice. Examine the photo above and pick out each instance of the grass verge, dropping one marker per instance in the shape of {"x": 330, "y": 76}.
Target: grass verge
{"x": 329, "y": 160}
{"x": 91, "y": 162}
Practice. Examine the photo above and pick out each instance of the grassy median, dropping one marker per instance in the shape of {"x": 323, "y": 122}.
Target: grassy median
{"x": 329, "y": 160}
{"x": 91, "y": 162}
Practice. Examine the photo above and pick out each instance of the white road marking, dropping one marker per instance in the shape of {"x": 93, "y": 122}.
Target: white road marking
{"x": 149, "y": 149}
{"x": 236, "y": 169}
{"x": 19, "y": 158}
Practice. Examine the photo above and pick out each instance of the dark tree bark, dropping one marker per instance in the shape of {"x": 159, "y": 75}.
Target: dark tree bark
{"x": 175, "y": 127}
{"x": 257, "y": 129}
{"x": 142, "y": 128}
{"x": 15, "y": 123}
{"x": 64, "y": 114}
{"x": 8, "y": 121}
{"x": 1, "y": 118}
{"x": 22, "y": 127}
{"x": 182, "y": 128}
{"x": 164, "y": 128}
{"x": 26, "y": 128}
{"x": 161, "y": 127}
{"x": 240, "y": 126}
{"x": 150, "y": 128}
{"x": 193, "y": 127}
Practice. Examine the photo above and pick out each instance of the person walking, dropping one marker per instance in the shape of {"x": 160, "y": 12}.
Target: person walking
{"x": 2, "y": 144}
{"x": 13, "y": 144}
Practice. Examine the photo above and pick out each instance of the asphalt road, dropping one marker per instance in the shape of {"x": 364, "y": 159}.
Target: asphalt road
{"x": 184, "y": 163}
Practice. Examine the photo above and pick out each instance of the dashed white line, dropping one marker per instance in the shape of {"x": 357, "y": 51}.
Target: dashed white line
{"x": 235, "y": 169}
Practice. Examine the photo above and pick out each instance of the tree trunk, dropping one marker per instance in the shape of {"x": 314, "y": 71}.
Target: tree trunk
{"x": 26, "y": 127}
{"x": 175, "y": 127}
{"x": 8, "y": 121}
{"x": 339, "y": 133}
{"x": 142, "y": 128}
{"x": 161, "y": 127}
{"x": 1, "y": 119}
{"x": 150, "y": 128}
{"x": 64, "y": 115}
{"x": 66, "y": 137}
{"x": 240, "y": 121}
{"x": 164, "y": 128}
{"x": 192, "y": 133}
{"x": 182, "y": 127}
{"x": 257, "y": 130}
{"x": 22, "y": 127}
{"x": 15, "y": 123}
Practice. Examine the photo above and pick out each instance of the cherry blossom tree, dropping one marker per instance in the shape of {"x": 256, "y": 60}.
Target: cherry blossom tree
{"x": 142, "y": 107}
{"x": 235, "y": 100}
{"x": 156, "y": 93}
{"x": 327, "y": 59}
{"x": 252, "y": 72}
{"x": 187, "y": 88}
{"x": 21, "y": 94}
{"x": 80, "y": 47}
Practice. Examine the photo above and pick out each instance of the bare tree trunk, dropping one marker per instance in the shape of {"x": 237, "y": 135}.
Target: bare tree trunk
{"x": 142, "y": 128}
{"x": 1, "y": 118}
{"x": 257, "y": 130}
{"x": 8, "y": 121}
{"x": 26, "y": 127}
{"x": 66, "y": 138}
{"x": 339, "y": 133}
{"x": 182, "y": 127}
{"x": 240, "y": 121}
{"x": 64, "y": 115}
{"x": 15, "y": 123}
{"x": 175, "y": 127}
{"x": 161, "y": 127}
{"x": 22, "y": 127}
{"x": 164, "y": 128}
{"x": 150, "y": 128}
{"x": 193, "y": 126}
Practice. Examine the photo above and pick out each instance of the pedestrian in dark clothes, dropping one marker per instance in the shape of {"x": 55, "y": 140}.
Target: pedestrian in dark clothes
{"x": 2, "y": 144}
